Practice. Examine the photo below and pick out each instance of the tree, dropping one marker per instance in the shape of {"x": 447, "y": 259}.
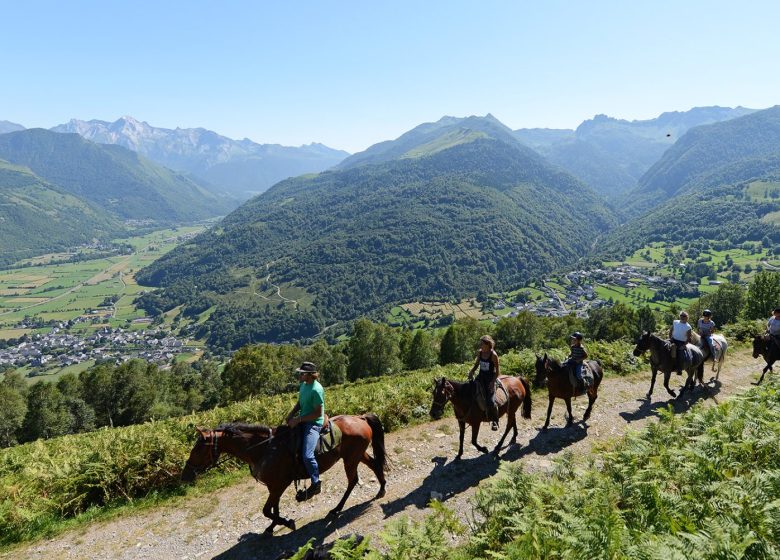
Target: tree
{"x": 12, "y": 414}
{"x": 763, "y": 295}
{"x": 521, "y": 331}
{"x": 612, "y": 323}
{"x": 48, "y": 414}
{"x": 421, "y": 352}
{"x": 264, "y": 369}
{"x": 646, "y": 319}
{"x": 460, "y": 341}
{"x": 373, "y": 349}
{"x": 726, "y": 303}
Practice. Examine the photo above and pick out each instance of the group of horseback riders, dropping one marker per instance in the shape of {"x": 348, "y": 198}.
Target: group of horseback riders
{"x": 309, "y": 412}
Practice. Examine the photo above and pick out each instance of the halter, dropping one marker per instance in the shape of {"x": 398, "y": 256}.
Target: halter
{"x": 211, "y": 439}
{"x": 446, "y": 396}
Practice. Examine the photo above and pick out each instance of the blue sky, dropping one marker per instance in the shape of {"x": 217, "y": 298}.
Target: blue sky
{"x": 350, "y": 74}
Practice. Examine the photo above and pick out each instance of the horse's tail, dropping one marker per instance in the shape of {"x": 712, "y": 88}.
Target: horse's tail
{"x": 377, "y": 440}
{"x": 599, "y": 373}
{"x": 526, "y": 412}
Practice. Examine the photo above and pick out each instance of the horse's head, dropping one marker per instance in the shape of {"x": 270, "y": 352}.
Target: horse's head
{"x": 642, "y": 344}
{"x": 204, "y": 454}
{"x": 759, "y": 347}
{"x": 540, "y": 379}
{"x": 442, "y": 391}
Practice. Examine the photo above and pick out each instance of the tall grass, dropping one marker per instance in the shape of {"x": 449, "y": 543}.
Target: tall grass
{"x": 48, "y": 481}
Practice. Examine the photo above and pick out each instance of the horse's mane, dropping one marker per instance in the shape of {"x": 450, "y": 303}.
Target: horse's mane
{"x": 234, "y": 427}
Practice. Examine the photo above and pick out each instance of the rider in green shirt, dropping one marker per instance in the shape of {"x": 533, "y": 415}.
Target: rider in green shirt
{"x": 309, "y": 413}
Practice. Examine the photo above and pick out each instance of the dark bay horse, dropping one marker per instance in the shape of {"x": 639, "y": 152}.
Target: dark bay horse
{"x": 661, "y": 360}
{"x": 464, "y": 400}
{"x": 559, "y": 385}
{"x": 770, "y": 352}
{"x": 270, "y": 454}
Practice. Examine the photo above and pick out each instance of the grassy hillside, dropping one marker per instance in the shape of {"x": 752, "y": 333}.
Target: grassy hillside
{"x": 112, "y": 178}
{"x": 723, "y": 153}
{"x": 38, "y": 217}
{"x": 478, "y": 216}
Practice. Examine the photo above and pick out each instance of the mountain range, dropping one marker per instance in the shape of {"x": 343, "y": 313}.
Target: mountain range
{"x": 88, "y": 191}
{"x": 241, "y": 168}
{"x": 611, "y": 155}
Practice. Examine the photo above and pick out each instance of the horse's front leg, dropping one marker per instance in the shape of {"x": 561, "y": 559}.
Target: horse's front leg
{"x": 549, "y": 411}
{"x": 474, "y": 434}
{"x": 652, "y": 383}
{"x": 462, "y": 426}
{"x": 763, "y": 373}
{"x": 271, "y": 511}
{"x": 667, "y": 375}
{"x": 570, "y": 421}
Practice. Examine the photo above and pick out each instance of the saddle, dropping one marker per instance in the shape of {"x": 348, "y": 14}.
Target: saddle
{"x": 330, "y": 438}
{"x": 501, "y": 395}
{"x": 587, "y": 378}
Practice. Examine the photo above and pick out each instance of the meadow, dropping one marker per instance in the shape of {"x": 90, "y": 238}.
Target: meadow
{"x": 61, "y": 292}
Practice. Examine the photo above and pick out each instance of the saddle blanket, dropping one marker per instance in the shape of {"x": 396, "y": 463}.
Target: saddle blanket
{"x": 501, "y": 395}
{"x": 328, "y": 440}
{"x": 587, "y": 376}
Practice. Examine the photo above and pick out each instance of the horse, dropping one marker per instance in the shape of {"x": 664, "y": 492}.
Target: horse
{"x": 271, "y": 457}
{"x": 464, "y": 401}
{"x": 559, "y": 385}
{"x": 661, "y": 359}
{"x": 720, "y": 340}
{"x": 769, "y": 351}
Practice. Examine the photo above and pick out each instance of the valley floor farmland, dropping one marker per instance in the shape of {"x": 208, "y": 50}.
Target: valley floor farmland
{"x": 227, "y": 523}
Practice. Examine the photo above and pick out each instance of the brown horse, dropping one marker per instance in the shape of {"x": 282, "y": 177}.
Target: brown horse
{"x": 464, "y": 401}
{"x": 559, "y": 385}
{"x": 271, "y": 457}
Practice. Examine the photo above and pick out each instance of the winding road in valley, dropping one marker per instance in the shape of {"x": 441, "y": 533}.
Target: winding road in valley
{"x": 228, "y": 523}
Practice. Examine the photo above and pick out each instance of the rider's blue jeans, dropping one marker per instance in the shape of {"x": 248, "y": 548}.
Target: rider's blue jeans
{"x": 310, "y": 434}
{"x": 708, "y": 340}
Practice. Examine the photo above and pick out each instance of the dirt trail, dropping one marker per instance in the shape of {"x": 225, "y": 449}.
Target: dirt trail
{"x": 228, "y": 524}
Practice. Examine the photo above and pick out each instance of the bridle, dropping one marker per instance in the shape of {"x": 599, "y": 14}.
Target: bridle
{"x": 211, "y": 439}
{"x": 446, "y": 391}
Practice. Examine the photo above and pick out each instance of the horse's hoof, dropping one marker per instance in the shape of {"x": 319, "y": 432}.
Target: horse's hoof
{"x": 457, "y": 457}
{"x": 290, "y": 525}
{"x": 380, "y": 494}
{"x": 544, "y": 428}
{"x": 269, "y": 531}
{"x": 333, "y": 515}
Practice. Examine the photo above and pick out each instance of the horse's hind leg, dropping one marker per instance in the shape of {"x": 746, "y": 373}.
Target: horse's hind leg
{"x": 591, "y": 399}
{"x": 667, "y": 375}
{"x": 351, "y": 470}
{"x": 377, "y": 470}
{"x": 511, "y": 423}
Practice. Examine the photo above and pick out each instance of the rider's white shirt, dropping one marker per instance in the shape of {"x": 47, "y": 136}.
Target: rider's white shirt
{"x": 680, "y": 330}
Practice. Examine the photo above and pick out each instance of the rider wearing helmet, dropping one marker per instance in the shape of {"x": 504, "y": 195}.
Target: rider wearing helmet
{"x": 577, "y": 355}
{"x": 680, "y": 335}
{"x": 706, "y": 326}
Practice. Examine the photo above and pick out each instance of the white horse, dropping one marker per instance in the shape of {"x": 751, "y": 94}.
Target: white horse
{"x": 720, "y": 355}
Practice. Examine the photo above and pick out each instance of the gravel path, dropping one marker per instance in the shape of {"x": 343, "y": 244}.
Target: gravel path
{"x": 228, "y": 524}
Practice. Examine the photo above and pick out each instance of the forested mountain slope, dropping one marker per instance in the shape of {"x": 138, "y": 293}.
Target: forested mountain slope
{"x": 707, "y": 156}
{"x": 610, "y": 155}
{"x": 459, "y": 213}
{"x": 241, "y": 168}
{"x": 121, "y": 182}
{"x": 37, "y": 217}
